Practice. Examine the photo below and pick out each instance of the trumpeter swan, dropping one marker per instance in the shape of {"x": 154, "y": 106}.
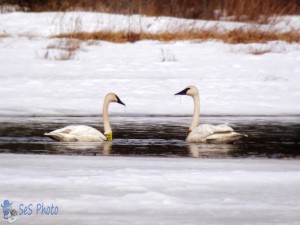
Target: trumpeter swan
{"x": 83, "y": 133}
{"x": 207, "y": 133}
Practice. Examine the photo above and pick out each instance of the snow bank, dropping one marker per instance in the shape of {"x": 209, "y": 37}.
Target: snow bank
{"x": 145, "y": 75}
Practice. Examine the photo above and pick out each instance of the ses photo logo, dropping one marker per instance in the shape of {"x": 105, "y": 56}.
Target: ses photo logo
{"x": 12, "y": 213}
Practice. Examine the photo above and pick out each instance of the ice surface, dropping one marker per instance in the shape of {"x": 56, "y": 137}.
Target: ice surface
{"x": 144, "y": 74}
{"x": 124, "y": 190}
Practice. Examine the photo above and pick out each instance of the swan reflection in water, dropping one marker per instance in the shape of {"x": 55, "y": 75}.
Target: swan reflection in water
{"x": 106, "y": 147}
{"x": 206, "y": 150}
{"x": 84, "y": 148}
{"x": 196, "y": 150}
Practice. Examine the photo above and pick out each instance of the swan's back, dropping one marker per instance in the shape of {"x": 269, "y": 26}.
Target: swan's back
{"x": 73, "y": 133}
{"x": 207, "y": 133}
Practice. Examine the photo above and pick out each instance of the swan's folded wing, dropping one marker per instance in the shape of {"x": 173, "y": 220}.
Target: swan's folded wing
{"x": 200, "y": 133}
{"x": 222, "y": 128}
{"x": 61, "y": 136}
{"x": 224, "y": 138}
{"x": 91, "y": 131}
{"x": 205, "y": 130}
{"x": 65, "y": 130}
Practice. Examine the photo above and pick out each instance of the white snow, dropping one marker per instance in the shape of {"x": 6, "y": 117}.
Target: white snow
{"x": 146, "y": 74}
{"x": 121, "y": 190}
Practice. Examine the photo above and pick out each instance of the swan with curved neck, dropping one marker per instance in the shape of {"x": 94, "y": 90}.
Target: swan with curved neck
{"x": 207, "y": 133}
{"x": 83, "y": 133}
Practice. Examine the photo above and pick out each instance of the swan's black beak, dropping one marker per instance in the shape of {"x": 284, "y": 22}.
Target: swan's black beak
{"x": 183, "y": 92}
{"x": 119, "y": 101}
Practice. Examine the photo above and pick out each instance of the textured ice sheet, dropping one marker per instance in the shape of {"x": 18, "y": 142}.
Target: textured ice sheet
{"x": 124, "y": 190}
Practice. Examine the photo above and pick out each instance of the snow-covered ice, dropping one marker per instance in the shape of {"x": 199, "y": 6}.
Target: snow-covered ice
{"x": 143, "y": 74}
{"x": 123, "y": 190}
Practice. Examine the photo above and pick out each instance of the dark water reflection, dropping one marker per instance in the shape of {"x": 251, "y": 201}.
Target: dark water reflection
{"x": 275, "y": 137}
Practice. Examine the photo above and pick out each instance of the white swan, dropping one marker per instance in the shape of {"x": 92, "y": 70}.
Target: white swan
{"x": 84, "y": 133}
{"x": 207, "y": 133}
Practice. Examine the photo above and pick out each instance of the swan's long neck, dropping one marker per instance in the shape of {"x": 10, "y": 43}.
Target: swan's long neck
{"x": 195, "y": 120}
{"x": 107, "y": 128}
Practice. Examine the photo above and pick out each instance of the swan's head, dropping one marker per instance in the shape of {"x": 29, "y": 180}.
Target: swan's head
{"x": 190, "y": 90}
{"x": 112, "y": 97}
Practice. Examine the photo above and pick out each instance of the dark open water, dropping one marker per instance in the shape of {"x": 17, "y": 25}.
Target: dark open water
{"x": 269, "y": 137}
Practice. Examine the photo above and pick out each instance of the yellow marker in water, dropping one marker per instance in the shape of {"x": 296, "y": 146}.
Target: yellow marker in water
{"x": 108, "y": 136}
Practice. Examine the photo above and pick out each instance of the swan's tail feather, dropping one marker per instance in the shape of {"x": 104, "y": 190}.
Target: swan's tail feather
{"x": 54, "y": 136}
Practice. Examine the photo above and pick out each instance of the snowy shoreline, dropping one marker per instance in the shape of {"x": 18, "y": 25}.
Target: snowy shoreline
{"x": 145, "y": 74}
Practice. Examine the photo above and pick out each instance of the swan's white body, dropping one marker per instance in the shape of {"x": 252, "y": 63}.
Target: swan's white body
{"x": 83, "y": 133}
{"x": 207, "y": 133}
{"x": 80, "y": 133}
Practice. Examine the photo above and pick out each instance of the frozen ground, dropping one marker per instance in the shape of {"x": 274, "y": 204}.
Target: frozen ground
{"x": 125, "y": 190}
{"x": 144, "y": 74}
